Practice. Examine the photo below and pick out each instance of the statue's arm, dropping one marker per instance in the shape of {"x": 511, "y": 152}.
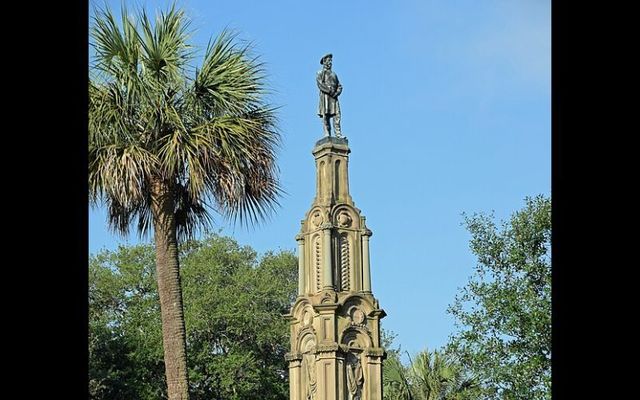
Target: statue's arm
{"x": 339, "y": 88}
{"x": 324, "y": 88}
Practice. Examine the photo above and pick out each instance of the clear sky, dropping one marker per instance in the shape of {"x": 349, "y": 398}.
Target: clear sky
{"x": 447, "y": 108}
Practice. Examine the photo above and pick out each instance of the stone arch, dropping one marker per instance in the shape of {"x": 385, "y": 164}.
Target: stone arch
{"x": 299, "y": 306}
{"x": 306, "y": 341}
{"x": 356, "y": 337}
{"x": 358, "y": 300}
{"x": 315, "y": 218}
{"x": 337, "y": 216}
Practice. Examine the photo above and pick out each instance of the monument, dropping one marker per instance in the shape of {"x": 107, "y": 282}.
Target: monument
{"x": 335, "y": 321}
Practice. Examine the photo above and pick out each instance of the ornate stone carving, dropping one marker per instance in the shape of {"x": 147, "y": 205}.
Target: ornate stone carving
{"x": 328, "y": 297}
{"x": 293, "y": 356}
{"x": 317, "y": 248}
{"x": 309, "y": 369}
{"x": 345, "y": 265}
{"x": 355, "y": 376}
{"x": 327, "y": 347}
{"x": 357, "y": 336}
{"x": 344, "y": 220}
{"x": 335, "y": 320}
{"x": 305, "y": 330}
{"x": 316, "y": 219}
{"x": 375, "y": 352}
{"x": 307, "y": 318}
{"x": 358, "y": 317}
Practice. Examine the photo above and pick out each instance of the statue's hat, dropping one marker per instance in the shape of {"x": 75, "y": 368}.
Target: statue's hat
{"x": 329, "y": 55}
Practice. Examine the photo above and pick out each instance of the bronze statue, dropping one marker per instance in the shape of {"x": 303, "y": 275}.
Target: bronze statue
{"x": 330, "y": 89}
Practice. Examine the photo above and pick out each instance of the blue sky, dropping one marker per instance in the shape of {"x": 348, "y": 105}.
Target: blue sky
{"x": 447, "y": 108}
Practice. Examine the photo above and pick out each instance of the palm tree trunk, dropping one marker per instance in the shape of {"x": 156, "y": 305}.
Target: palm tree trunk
{"x": 169, "y": 289}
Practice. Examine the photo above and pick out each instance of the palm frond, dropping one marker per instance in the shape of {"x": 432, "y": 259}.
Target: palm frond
{"x": 240, "y": 168}
{"x": 211, "y": 136}
{"x": 119, "y": 171}
{"x": 396, "y": 381}
{"x": 164, "y": 45}
{"x": 191, "y": 213}
{"x": 229, "y": 81}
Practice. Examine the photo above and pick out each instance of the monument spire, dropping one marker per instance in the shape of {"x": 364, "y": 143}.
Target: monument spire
{"x": 336, "y": 352}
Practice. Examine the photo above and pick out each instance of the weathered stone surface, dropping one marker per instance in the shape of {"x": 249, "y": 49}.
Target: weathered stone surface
{"x": 336, "y": 352}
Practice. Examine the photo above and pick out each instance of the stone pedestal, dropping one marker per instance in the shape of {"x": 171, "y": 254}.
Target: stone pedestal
{"x": 335, "y": 321}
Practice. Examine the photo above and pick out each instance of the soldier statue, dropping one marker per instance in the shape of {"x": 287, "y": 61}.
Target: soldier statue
{"x": 330, "y": 89}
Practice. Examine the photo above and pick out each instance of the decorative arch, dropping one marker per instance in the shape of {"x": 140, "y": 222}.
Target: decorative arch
{"x": 356, "y": 336}
{"x": 299, "y": 306}
{"x": 356, "y": 299}
{"x": 315, "y": 218}
{"x": 339, "y": 212}
{"x": 306, "y": 341}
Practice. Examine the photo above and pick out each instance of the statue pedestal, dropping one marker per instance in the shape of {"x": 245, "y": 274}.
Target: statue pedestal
{"x": 336, "y": 352}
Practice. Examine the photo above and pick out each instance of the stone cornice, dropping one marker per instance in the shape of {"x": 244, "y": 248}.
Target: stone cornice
{"x": 331, "y": 145}
{"x": 378, "y": 313}
{"x": 324, "y": 307}
{"x": 375, "y": 352}
{"x": 327, "y": 347}
{"x": 363, "y": 327}
{"x": 293, "y": 356}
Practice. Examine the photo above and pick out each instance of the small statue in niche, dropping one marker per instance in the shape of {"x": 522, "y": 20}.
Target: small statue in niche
{"x": 355, "y": 377}
{"x": 309, "y": 368}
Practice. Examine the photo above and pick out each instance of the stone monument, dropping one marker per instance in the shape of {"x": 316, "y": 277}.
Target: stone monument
{"x": 335, "y": 321}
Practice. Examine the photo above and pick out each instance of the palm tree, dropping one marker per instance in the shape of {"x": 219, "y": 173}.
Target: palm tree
{"x": 438, "y": 375}
{"x": 169, "y": 143}
{"x": 432, "y": 375}
{"x": 395, "y": 379}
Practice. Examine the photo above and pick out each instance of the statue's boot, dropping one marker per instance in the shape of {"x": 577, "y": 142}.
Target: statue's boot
{"x": 327, "y": 127}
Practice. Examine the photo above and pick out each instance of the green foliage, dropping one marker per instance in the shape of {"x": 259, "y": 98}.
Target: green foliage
{"x": 431, "y": 375}
{"x": 125, "y": 337}
{"x": 504, "y": 312}
{"x": 202, "y": 131}
{"x": 236, "y": 333}
{"x": 395, "y": 380}
{"x": 439, "y": 375}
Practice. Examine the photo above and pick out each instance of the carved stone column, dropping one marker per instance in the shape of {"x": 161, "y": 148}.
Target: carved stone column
{"x": 301, "y": 255}
{"x": 327, "y": 283}
{"x": 366, "y": 266}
